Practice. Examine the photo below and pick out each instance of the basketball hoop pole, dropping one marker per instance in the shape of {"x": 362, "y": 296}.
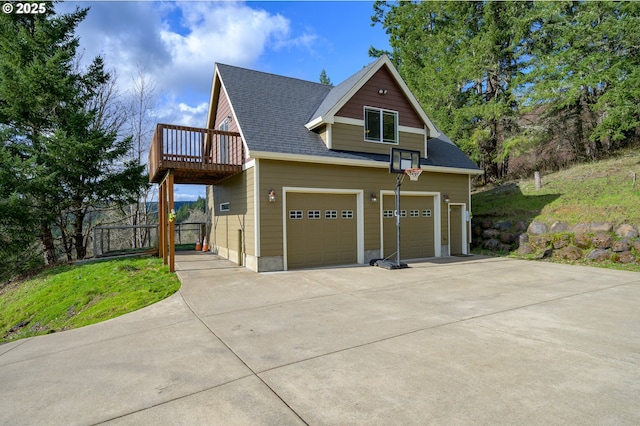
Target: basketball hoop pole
{"x": 399, "y": 179}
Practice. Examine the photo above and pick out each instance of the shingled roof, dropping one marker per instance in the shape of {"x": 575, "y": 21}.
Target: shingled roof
{"x": 272, "y": 110}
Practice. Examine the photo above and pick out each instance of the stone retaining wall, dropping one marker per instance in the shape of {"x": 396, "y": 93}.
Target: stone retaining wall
{"x": 596, "y": 242}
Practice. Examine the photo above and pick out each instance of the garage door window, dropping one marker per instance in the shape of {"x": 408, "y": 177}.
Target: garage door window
{"x": 387, "y": 214}
{"x": 414, "y": 213}
{"x": 313, "y": 214}
{"x": 426, "y": 213}
{"x": 295, "y": 214}
{"x": 331, "y": 214}
{"x": 347, "y": 214}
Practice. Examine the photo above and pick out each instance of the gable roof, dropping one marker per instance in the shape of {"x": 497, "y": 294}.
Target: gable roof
{"x": 272, "y": 113}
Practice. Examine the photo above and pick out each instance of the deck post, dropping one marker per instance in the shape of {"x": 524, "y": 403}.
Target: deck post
{"x": 172, "y": 224}
{"x": 162, "y": 223}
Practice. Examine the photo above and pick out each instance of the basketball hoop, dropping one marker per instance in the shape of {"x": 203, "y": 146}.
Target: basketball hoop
{"x": 413, "y": 173}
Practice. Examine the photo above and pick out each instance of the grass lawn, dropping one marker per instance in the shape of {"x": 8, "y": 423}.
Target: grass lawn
{"x": 67, "y": 297}
{"x": 593, "y": 192}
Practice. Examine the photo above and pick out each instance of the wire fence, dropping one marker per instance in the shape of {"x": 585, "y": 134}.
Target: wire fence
{"x": 127, "y": 239}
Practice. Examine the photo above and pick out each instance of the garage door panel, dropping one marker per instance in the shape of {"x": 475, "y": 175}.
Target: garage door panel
{"x": 330, "y": 238}
{"x": 416, "y": 226}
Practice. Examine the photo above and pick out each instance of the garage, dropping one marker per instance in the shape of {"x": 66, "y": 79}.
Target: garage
{"x": 417, "y": 226}
{"x": 321, "y": 229}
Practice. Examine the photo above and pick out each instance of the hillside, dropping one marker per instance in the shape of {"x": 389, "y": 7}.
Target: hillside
{"x": 605, "y": 191}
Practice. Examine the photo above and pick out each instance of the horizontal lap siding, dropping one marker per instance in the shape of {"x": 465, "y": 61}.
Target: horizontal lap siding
{"x": 348, "y": 137}
{"x": 278, "y": 174}
{"x": 238, "y": 192}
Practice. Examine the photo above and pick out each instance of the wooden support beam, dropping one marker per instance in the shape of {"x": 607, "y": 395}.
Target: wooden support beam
{"x": 162, "y": 222}
{"x": 172, "y": 224}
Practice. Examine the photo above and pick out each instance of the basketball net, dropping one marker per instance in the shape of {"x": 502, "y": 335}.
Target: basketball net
{"x": 413, "y": 173}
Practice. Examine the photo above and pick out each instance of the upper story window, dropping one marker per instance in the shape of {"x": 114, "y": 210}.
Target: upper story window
{"x": 380, "y": 125}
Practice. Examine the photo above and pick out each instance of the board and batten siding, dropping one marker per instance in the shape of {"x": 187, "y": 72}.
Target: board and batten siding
{"x": 278, "y": 174}
{"x": 394, "y": 100}
{"x": 238, "y": 191}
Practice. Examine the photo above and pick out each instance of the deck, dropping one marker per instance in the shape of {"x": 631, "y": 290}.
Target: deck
{"x": 196, "y": 156}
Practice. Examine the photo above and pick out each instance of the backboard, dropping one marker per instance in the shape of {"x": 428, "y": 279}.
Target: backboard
{"x": 402, "y": 159}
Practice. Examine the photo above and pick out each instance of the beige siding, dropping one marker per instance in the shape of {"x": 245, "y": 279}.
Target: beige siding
{"x": 348, "y": 137}
{"x": 238, "y": 192}
{"x": 278, "y": 174}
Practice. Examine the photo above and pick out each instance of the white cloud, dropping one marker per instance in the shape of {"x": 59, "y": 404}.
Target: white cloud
{"x": 178, "y": 43}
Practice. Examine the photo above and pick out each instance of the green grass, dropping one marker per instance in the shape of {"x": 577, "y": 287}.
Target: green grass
{"x": 67, "y": 297}
{"x": 594, "y": 192}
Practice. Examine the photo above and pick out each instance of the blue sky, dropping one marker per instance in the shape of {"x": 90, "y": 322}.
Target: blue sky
{"x": 177, "y": 44}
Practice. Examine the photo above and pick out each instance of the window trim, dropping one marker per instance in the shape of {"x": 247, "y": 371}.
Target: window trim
{"x": 225, "y": 207}
{"x": 382, "y": 112}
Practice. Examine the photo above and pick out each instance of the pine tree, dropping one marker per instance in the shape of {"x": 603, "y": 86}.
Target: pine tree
{"x": 324, "y": 79}
{"x": 70, "y": 163}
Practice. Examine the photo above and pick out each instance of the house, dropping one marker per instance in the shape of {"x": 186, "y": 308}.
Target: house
{"x": 312, "y": 187}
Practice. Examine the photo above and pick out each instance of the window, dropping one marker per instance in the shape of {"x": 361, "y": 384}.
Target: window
{"x": 380, "y": 125}
{"x": 426, "y": 213}
{"x": 387, "y": 213}
{"x": 223, "y": 143}
{"x": 347, "y": 214}
{"x": 331, "y": 214}
{"x": 295, "y": 214}
{"x": 414, "y": 213}
{"x": 403, "y": 213}
{"x": 313, "y": 214}
{"x": 225, "y": 207}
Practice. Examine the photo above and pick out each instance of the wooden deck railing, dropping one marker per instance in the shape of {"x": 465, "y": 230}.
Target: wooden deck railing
{"x": 196, "y": 155}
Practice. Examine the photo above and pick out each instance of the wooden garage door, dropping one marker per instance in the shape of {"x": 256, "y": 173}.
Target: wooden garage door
{"x": 416, "y": 226}
{"x": 321, "y": 230}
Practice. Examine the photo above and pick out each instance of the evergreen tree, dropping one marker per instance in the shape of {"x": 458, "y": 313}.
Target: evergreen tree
{"x": 460, "y": 59}
{"x": 324, "y": 79}
{"x": 53, "y": 137}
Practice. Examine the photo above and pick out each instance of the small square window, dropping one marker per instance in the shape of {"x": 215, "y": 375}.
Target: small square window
{"x": 331, "y": 214}
{"x": 313, "y": 214}
{"x": 387, "y": 213}
{"x": 426, "y": 213}
{"x": 225, "y": 207}
{"x": 347, "y": 214}
{"x": 295, "y": 214}
{"x": 414, "y": 213}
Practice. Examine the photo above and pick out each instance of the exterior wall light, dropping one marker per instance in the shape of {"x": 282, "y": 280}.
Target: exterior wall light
{"x": 382, "y": 91}
{"x": 445, "y": 198}
{"x": 272, "y": 196}
{"x": 374, "y": 198}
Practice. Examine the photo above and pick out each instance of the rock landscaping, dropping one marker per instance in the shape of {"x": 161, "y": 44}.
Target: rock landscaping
{"x": 595, "y": 242}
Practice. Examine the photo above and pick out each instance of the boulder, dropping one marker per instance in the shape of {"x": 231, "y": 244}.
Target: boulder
{"x": 492, "y": 244}
{"x": 544, "y": 254}
{"x": 582, "y": 241}
{"x": 525, "y": 249}
{"x": 507, "y": 238}
{"x": 561, "y": 241}
{"x": 626, "y": 230}
{"x": 488, "y": 234}
{"x": 581, "y": 228}
{"x": 502, "y": 226}
{"x": 523, "y": 239}
{"x": 558, "y": 227}
{"x": 485, "y": 224}
{"x": 601, "y": 227}
{"x": 636, "y": 246}
{"x": 624, "y": 257}
{"x": 540, "y": 242}
{"x": 571, "y": 253}
{"x": 602, "y": 240}
{"x": 598, "y": 255}
{"x": 506, "y": 248}
{"x": 621, "y": 245}
{"x": 520, "y": 226}
{"x": 537, "y": 228}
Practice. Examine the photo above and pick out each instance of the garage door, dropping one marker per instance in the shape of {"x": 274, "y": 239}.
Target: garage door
{"x": 321, "y": 230}
{"x": 416, "y": 226}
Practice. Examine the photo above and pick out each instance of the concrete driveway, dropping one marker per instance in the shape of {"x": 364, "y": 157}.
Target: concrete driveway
{"x": 454, "y": 341}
